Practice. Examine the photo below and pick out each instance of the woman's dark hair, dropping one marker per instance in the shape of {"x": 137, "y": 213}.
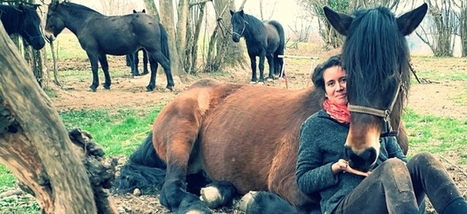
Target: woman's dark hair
{"x": 317, "y": 76}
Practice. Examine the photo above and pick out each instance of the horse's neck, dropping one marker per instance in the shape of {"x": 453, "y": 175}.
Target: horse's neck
{"x": 75, "y": 19}
{"x": 249, "y": 32}
{"x": 11, "y": 20}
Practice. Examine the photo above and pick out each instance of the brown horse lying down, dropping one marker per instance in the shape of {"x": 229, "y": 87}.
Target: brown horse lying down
{"x": 243, "y": 135}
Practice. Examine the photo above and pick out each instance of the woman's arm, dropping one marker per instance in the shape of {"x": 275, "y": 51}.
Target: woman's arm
{"x": 311, "y": 174}
{"x": 393, "y": 148}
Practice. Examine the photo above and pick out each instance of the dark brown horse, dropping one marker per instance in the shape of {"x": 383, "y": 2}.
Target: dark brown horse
{"x": 25, "y": 21}
{"x": 226, "y": 132}
{"x": 100, "y": 35}
{"x": 264, "y": 39}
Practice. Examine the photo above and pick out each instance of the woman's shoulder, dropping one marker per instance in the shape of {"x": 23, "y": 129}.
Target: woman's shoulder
{"x": 317, "y": 117}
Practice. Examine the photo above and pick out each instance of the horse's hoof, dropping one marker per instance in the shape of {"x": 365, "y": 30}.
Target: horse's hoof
{"x": 245, "y": 200}
{"x": 261, "y": 83}
{"x": 252, "y": 82}
{"x": 92, "y": 88}
{"x": 149, "y": 88}
{"x": 211, "y": 197}
{"x": 144, "y": 73}
{"x": 170, "y": 87}
{"x": 270, "y": 79}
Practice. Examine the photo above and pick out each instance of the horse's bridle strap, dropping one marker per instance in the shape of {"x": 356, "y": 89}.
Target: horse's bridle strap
{"x": 376, "y": 112}
{"x": 368, "y": 110}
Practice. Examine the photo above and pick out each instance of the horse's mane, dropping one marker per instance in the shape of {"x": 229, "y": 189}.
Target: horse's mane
{"x": 77, "y": 7}
{"x": 374, "y": 48}
{"x": 256, "y": 26}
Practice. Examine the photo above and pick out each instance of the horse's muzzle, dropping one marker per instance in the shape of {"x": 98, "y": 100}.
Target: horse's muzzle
{"x": 236, "y": 37}
{"x": 362, "y": 161}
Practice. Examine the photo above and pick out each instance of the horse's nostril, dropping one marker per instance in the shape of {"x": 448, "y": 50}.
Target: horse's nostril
{"x": 362, "y": 161}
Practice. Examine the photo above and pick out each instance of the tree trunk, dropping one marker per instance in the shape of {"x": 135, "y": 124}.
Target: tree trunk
{"x": 195, "y": 29}
{"x": 151, "y": 9}
{"x": 167, "y": 19}
{"x": 184, "y": 37}
{"x": 463, "y": 28}
{"x": 34, "y": 143}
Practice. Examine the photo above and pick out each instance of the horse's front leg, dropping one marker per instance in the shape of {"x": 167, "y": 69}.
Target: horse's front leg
{"x": 174, "y": 194}
{"x": 261, "y": 68}
{"x": 134, "y": 64}
{"x": 93, "y": 59}
{"x": 145, "y": 62}
{"x": 271, "y": 67}
{"x": 253, "y": 68}
{"x": 105, "y": 68}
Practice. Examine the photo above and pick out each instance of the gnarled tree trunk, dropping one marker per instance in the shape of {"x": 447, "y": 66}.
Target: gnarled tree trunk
{"x": 34, "y": 143}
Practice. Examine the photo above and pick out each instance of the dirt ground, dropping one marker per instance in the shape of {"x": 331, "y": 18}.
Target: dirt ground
{"x": 428, "y": 98}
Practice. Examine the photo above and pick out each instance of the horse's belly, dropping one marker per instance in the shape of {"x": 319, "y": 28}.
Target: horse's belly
{"x": 236, "y": 150}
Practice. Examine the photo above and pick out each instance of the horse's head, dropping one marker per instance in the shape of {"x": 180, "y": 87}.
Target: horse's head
{"x": 54, "y": 23}
{"x": 238, "y": 24}
{"x": 376, "y": 57}
{"x": 31, "y": 27}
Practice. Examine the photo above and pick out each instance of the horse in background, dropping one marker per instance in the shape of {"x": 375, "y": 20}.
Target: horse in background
{"x": 132, "y": 60}
{"x": 100, "y": 35}
{"x": 263, "y": 39}
{"x": 25, "y": 21}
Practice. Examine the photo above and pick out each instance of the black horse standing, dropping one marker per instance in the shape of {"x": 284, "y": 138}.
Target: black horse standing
{"x": 263, "y": 39}
{"x": 132, "y": 60}
{"x": 25, "y": 21}
{"x": 100, "y": 35}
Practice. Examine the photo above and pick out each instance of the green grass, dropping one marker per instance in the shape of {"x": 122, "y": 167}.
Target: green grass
{"x": 6, "y": 178}
{"x": 433, "y": 134}
{"x": 118, "y": 132}
{"x": 66, "y": 46}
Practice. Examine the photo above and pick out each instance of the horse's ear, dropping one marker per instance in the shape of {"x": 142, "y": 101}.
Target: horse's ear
{"x": 21, "y": 6}
{"x": 339, "y": 21}
{"x": 408, "y": 22}
{"x": 144, "y": 11}
{"x": 241, "y": 12}
{"x": 53, "y": 5}
{"x": 134, "y": 11}
{"x": 231, "y": 12}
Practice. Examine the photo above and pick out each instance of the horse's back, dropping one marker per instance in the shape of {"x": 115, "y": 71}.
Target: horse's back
{"x": 131, "y": 32}
{"x": 186, "y": 112}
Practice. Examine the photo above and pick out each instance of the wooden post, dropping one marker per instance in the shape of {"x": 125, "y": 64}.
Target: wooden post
{"x": 34, "y": 143}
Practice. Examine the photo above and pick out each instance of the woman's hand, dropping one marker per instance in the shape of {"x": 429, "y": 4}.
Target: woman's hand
{"x": 343, "y": 166}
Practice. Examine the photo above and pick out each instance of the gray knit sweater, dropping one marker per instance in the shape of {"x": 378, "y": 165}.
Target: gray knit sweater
{"x": 322, "y": 144}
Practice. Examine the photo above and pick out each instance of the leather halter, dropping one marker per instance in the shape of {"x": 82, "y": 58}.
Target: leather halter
{"x": 385, "y": 114}
{"x": 243, "y": 30}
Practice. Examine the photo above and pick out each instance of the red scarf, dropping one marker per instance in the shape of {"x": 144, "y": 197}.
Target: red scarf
{"x": 336, "y": 111}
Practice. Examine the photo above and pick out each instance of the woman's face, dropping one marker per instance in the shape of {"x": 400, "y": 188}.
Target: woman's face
{"x": 335, "y": 84}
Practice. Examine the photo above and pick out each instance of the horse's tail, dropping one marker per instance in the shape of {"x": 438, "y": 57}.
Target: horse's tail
{"x": 279, "y": 62}
{"x": 143, "y": 170}
{"x": 164, "y": 42}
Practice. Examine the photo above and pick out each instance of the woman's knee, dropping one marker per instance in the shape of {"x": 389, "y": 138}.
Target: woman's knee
{"x": 423, "y": 159}
{"x": 394, "y": 166}
{"x": 394, "y": 162}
